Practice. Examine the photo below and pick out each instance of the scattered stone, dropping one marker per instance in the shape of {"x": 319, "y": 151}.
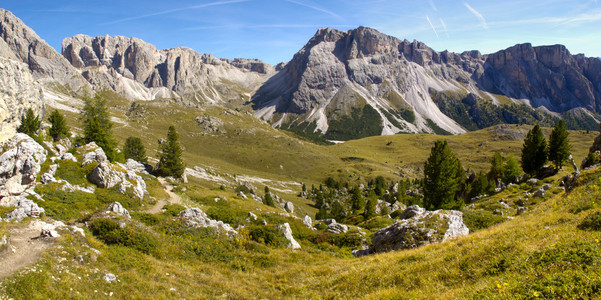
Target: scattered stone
{"x": 362, "y": 252}
{"x": 4, "y": 240}
{"x": 521, "y": 210}
{"x": 241, "y": 195}
{"x": 68, "y": 156}
{"x": 532, "y": 181}
{"x": 328, "y": 221}
{"x": 109, "y": 277}
{"x": 546, "y": 187}
{"x": 252, "y": 216}
{"x": 285, "y": 228}
{"x": 503, "y": 204}
{"x": 337, "y": 228}
{"x": 421, "y": 229}
{"x": 117, "y": 208}
{"x": 210, "y": 124}
{"x": 539, "y": 193}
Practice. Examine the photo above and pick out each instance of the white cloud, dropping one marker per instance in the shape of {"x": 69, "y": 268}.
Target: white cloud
{"x": 169, "y": 11}
{"x": 434, "y": 29}
{"x": 323, "y": 10}
{"x": 477, "y": 14}
{"x": 431, "y": 2}
{"x": 444, "y": 27}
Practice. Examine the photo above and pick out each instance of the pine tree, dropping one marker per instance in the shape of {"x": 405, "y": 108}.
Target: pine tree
{"x": 170, "y": 159}
{"x": 337, "y": 211}
{"x": 97, "y": 126}
{"x": 442, "y": 178}
{"x": 357, "y": 200}
{"x": 370, "y": 207}
{"x": 511, "y": 169}
{"x": 30, "y": 123}
{"x": 496, "y": 167}
{"x": 59, "y": 128}
{"x": 268, "y": 200}
{"x": 134, "y": 149}
{"x": 481, "y": 185}
{"x": 559, "y": 146}
{"x": 534, "y": 151}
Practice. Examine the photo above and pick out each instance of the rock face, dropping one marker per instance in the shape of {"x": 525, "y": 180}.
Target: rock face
{"x": 20, "y": 164}
{"x": 421, "y": 229}
{"x": 19, "y": 42}
{"x": 337, "y": 74}
{"x": 138, "y": 70}
{"x": 285, "y": 228}
{"x": 18, "y": 92}
{"x": 195, "y": 217}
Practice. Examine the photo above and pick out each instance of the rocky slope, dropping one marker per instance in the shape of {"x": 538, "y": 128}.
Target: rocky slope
{"x": 342, "y": 80}
{"x": 138, "y": 70}
{"x": 19, "y": 42}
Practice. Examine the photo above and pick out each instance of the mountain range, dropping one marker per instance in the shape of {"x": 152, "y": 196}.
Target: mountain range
{"x": 341, "y": 85}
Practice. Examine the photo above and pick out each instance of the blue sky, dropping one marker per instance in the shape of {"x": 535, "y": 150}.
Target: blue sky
{"x": 274, "y": 30}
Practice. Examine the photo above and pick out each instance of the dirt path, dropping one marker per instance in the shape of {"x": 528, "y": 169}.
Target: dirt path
{"x": 22, "y": 249}
{"x": 173, "y": 197}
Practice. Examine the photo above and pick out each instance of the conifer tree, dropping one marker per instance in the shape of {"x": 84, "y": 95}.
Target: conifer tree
{"x": 534, "y": 151}
{"x": 496, "y": 167}
{"x": 357, "y": 200}
{"x": 134, "y": 149}
{"x": 170, "y": 159}
{"x": 268, "y": 200}
{"x": 30, "y": 123}
{"x": 337, "y": 211}
{"x": 370, "y": 206}
{"x": 559, "y": 146}
{"x": 58, "y": 129}
{"x": 511, "y": 170}
{"x": 97, "y": 125}
{"x": 442, "y": 178}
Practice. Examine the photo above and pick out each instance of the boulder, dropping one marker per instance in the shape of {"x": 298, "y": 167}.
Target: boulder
{"x": 532, "y": 181}
{"x": 25, "y": 208}
{"x": 289, "y": 207}
{"x": 96, "y": 155}
{"x": 421, "y": 229}
{"x": 104, "y": 176}
{"x": 109, "y": 277}
{"x": 47, "y": 177}
{"x": 195, "y": 217}
{"x": 117, "y": 208}
{"x": 285, "y": 228}
{"x": 521, "y": 210}
{"x": 68, "y": 156}
{"x": 308, "y": 222}
{"x": 252, "y": 216}
{"x": 20, "y": 164}
{"x": 241, "y": 195}
{"x": 337, "y": 228}
{"x": 539, "y": 193}
{"x": 136, "y": 166}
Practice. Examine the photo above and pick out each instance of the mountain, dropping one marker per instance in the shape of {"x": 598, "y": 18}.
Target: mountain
{"x": 356, "y": 83}
{"x": 137, "y": 70}
{"x": 19, "y": 42}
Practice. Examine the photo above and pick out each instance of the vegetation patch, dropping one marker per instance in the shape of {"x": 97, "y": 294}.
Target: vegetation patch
{"x": 362, "y": 122}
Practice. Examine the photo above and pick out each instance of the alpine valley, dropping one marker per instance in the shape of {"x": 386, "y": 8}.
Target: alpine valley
{"x": 307, "y": 179}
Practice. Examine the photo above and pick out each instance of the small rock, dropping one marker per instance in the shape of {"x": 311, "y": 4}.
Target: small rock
{"x": 308, "y": 222}
{"x": 539, "y": 193}
{"x": 546, "y": 187}
{"x": 521, "y": 210}
{"x": 241, "y": 195}
{"x": 109, "y": 277}
{"x": 4, "y": 240}
{"x": 362, "y": 252}
{"x": 532, "y": 181}
{"x": 412, "y": 211}
{"x": 337, "y": 228}
{"x": 252, "y": 216}
{"x": 289, "y": 207}
{"x": 117, "y": 208}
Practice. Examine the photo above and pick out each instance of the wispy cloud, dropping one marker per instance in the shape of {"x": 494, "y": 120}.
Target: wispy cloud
{"x": 258, "y": 26}
{"x": 593, "y": 16}
{"x": 169, "y": 11}
{"x": 444, "y": 27}
{"x": 431, "y": 2}
{"x": 431, "y": 25}
{"x": 317, "y": 8}
{"x": 477, "y": 14}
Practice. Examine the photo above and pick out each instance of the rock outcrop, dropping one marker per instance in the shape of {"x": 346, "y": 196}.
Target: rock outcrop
{"x": 18, "y": 92}
{"x": 104, "y": 175}
{"x": 118, "y": 208}
{"x": 17, "y": 41}
{"x": 423, "y": 228}
{"x": 20, "y": 164}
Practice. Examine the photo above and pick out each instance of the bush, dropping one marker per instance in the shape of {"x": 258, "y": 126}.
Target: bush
{"x": 480, "y": 219}
{"x": 73, "y": 173}
{"x": 66, "y": 206}
{"x": 173, "y": 209}
{"x": 146, "y": 218}
{"x": 268, "y": 235}
{"x": 591, "y": 222}
{"x": 111, "y": 233}
{"x": 226, "y": 215}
